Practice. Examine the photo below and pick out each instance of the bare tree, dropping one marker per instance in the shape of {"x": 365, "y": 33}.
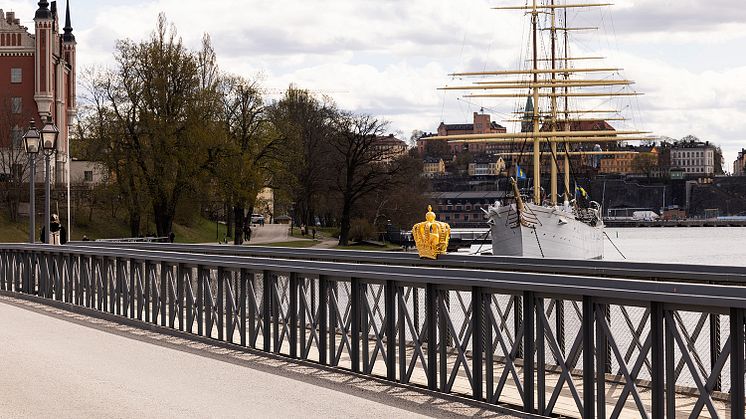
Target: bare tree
{"x": 362, "y": 165}
{"x": 14, "y": 162}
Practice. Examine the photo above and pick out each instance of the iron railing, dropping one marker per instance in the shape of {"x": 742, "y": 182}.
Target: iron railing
{"x": 549, "y": 342}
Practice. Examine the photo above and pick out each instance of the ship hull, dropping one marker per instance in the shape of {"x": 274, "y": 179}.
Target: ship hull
{"x": 544, "y": 232}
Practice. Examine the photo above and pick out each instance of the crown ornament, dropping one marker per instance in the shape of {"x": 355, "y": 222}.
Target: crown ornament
{"x": 430, "y": 236}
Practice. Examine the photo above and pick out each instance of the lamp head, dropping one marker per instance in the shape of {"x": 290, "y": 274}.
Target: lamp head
{"x": 32, "y": 139}
{"x": 49, "y": 136}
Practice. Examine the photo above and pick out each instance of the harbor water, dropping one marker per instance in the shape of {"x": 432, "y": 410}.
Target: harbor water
{"x": 690, "y": 245}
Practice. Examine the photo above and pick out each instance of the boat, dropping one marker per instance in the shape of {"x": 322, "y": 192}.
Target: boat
{"x": 566, "y": 225}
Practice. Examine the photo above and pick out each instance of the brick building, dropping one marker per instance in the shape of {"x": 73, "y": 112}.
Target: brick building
{"x": 390, "y": 148}
{"x": 37, "y": 80}
{"x": 482, "y": 124}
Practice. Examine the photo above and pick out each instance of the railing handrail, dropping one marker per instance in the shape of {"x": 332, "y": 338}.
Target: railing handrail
{"x": 642, "y": 292}
{"x": 620, "y": 269}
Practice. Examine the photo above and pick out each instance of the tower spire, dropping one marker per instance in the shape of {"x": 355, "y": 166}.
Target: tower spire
{"x": 68, "y": 35}
{"x": 43, "y": 11}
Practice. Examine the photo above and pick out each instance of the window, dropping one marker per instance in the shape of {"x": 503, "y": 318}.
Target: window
{"x": 16, "y": 137}
{"x": 88, "y": 175}
{"x": 16, "y": 75}
{"x": 15, "y": 104}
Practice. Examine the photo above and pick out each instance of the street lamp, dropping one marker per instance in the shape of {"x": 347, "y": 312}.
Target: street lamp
{"x": 31, "y": 142}
{"x": 49, "y": 144}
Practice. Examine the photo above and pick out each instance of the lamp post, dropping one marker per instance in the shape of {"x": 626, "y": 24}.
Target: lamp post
{"x": 49, "y": 144}
{"x": 31, "y": 142}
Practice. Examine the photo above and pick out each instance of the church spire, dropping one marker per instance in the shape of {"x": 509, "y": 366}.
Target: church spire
{"x": 43, "y": 11}
{"x": 68, "y": 35}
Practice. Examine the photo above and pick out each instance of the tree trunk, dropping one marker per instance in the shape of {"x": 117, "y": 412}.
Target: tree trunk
{"x": 163, "y": 218}
{"x": 238, "y": 215}
{"x": 344, "y": 230}
{"x": 134, "y": 221}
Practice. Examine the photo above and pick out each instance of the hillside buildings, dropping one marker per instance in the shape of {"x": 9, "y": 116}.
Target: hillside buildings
{"x": 739, "y": 166}
{"x": 482, "y": 124}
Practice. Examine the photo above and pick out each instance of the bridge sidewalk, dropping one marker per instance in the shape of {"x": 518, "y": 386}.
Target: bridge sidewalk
{"x": 70, "y": 365}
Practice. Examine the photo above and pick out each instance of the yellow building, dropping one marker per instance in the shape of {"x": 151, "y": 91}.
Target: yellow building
{"x": 433, "y": 167}
{"x": 487, "y": 166}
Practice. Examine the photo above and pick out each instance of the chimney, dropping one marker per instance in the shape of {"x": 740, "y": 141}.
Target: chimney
{"x": 10, "y": 17}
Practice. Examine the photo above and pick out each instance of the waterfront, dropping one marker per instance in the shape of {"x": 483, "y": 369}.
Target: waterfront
{"x": 693, "y": 245}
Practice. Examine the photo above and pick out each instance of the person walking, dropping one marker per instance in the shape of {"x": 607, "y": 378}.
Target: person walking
{"x": 57, "y": 233}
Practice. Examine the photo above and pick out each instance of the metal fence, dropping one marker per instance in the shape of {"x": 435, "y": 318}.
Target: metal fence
{"x": 548, "y": 339}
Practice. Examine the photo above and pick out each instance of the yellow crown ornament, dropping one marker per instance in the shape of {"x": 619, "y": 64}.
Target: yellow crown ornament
{"x": 431, "y": 237}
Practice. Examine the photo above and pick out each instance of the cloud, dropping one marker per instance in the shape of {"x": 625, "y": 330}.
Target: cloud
{"x": 388, "y": 57}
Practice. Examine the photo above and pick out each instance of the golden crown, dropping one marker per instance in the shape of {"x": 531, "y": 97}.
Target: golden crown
{"x": 430, "y": 236}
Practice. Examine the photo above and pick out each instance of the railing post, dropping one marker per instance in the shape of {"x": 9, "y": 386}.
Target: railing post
{"x": 657, "y": 360}
{"x": 355, "y": 307}
{"x": 245, "y": 278}
{"x": 540, "y": 357}
{"x": 443, "y": 338}
{"x": 588, "y": 361}
{"x": 559, "y": 318}
{"x": 266, "y": 310}
{"x": 529, "y": 368}
{"x": 477, "y": 327}
{"x": 220, "y": 303}
{"x": 736, "y": 363}
{"x": 323, "y": 317}
{"x": 602, "y": 358}
{"x": 390, "y": 301}
{"x": 715, "y": 346}
{"x": 670, "y": 368}
{"x": 165, "y": 268}
{"x": 201, "y": 299}
{"x": 431, "y": 319}
{"x": 180, "y": 300}
{"x": 293, "y": 314}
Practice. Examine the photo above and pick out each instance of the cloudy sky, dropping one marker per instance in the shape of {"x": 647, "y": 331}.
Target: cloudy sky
{"x": 388, "y": 57}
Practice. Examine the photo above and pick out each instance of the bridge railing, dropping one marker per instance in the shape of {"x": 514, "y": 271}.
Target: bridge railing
{"x": 549, "y": 343}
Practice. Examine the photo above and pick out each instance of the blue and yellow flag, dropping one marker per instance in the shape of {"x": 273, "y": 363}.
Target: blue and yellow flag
{"x": 581, "y": 190}
{"x": 519, "y": 173}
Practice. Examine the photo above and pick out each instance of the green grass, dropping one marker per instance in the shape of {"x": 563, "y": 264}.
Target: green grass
{"x": 13, "y": 232}
{"x": 293, "y": 243}
{"x": 106, "y": 227}
{"x": 321, "y": 233}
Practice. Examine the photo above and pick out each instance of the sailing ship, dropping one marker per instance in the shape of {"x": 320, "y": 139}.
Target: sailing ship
{"x": 533, "y": 224}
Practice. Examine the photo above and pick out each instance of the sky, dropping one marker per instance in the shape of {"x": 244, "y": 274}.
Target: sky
{"x": 389, "y": 57}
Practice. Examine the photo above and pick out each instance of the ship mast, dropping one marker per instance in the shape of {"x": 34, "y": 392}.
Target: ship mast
{"x": 553, "y": 144}
{"x": 535, "y": 66}
{"x": 552, "y": 80}
{"x": 567, "y": 113}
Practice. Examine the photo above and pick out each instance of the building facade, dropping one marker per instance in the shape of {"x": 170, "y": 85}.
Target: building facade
{"x": 390, "y": 148}
{"x": 482, "y": 124}
{"x": 694, "y": 157}
{"x": 487, "y": 166}
{"x": 739, "y": 166}
{"x": 432, "y": 166}
{"x": 37, "y": 80}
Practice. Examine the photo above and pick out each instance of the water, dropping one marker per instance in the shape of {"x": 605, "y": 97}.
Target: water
{"x": 690, "y": 245}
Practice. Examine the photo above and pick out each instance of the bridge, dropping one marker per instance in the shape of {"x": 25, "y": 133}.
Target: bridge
{"x": 544, "y": 337}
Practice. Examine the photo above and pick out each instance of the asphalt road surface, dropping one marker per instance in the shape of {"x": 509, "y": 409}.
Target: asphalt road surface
{"x": 50, "y": 367}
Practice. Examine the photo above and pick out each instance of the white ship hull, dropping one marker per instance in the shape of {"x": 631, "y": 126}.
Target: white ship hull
{"x": 544, "y": 232}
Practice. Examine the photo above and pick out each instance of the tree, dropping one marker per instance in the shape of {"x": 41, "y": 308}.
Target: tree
{"x": 14, "y": 162}
{"x": 160, "y": 106}
{"x": 306, "y": 123}
{"x": 438, "y": 149}
{"x": 361, "y": 167}
{"x": 645, "y": 163}
{"x": 252, "y": 146}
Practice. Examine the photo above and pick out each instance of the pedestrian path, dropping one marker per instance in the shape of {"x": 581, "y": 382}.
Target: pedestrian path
{"x": 67, "y": 365}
